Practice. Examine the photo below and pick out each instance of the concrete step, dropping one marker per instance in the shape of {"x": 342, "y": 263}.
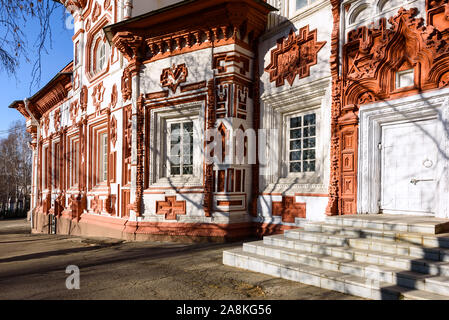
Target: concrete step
{"x": 312, "y": 236}
{"x": 362, "y": 253}
{"x": 401, "y": 248}
{"x": 403, "y": 223}
{"x": 341, "y": 234}
{"x": 369, "y": 271}
{"x": 326, "y": 279}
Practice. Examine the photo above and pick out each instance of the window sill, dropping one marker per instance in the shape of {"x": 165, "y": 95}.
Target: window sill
{"x": 178, "y": 182}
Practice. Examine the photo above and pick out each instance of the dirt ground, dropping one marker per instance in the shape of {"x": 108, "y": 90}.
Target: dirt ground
{"x": 34, "y": 267}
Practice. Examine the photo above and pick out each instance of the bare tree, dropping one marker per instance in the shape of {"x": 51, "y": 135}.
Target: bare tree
{"x": 14, "y": 43}
{"x": 15, "y": 170}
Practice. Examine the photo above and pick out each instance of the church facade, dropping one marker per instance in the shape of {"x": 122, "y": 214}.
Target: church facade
{"x": 225, "y": 119}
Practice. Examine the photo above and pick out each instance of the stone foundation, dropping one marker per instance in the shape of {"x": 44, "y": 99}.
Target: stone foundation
{"x": 91, "y": 225}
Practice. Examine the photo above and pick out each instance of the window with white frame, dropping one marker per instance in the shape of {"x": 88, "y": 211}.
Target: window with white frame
{"x": 180, "y": 148}
{"x": 302, "y": 141}
{"x": 99, "y": 51}
{"x": 176, "y": 145}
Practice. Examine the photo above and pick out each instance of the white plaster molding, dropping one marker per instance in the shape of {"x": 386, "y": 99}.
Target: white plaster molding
{"x": 274, "y": 109}
{"x": 157, "y": 178}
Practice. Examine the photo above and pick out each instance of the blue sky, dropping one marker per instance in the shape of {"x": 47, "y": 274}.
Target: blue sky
{"x": 59, "y": 55}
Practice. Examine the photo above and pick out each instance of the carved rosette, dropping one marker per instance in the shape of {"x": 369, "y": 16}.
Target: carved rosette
{"x": 294, "y": 56}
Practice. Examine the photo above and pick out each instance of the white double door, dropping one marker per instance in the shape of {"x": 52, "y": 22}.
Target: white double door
{"x": 409, "y": 155}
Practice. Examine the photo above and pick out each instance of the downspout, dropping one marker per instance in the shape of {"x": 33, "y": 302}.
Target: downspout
{"x": 33, "y": 173}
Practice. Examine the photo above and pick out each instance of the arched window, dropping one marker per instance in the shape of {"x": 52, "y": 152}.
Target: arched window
{"x": 100, "y": 57}
{"x": 359, "y": 14}
{"x": 385, "y": 5}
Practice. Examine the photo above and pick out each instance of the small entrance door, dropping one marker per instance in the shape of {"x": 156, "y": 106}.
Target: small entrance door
{"x": 409, "y": 159}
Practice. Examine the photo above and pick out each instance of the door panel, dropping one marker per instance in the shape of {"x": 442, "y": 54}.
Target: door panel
{"x": 409, "y": 160}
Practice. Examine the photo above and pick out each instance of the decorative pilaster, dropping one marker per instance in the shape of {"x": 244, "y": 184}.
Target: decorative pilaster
{"x": 332, "y": 206}
{"x": 209, "y": 175}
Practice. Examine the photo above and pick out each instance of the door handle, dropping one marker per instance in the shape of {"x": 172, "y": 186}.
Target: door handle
{"x": 415, "y": 181}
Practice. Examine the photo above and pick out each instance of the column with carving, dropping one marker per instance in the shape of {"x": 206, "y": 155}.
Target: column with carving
{"x": 332, "y": 207}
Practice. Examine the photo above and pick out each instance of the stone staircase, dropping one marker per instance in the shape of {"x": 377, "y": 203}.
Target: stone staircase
{"x": 371, "y": 256}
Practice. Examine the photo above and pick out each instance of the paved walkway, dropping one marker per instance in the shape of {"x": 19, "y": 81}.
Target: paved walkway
{"x": 33, "y": 267}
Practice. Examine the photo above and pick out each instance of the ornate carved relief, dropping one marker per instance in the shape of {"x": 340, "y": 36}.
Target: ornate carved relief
{"x": 128, "y": 44}
{"x": 87, "y": 25}
{"x": 126, "y": 84}
{"x": 171, "y": 208}
{"x": 294, "y": 56}
{"x": 373, "y": 56}
{"x": 334, "y": 183}
{"x": 224, "y": 61}
{"x": 113, "y": 128}
{"x": 110, "y": 204}
{"x": 172, "y": 77}
{"x": 140, "y": 154}
{"x": 209, "y": 171}
{"x": 96, "y": 13}
{"x": 97, "y": 96}
{"x": 127, "y": 144}
{"x": 288, "y": 209}
{"x": 114, "y": 97}
{"x": 57, "y": 119}
{"x": 46, "y": 124}
{"x": 96, "y": 204}
{"x": 371, "y": 59}
{"x": 84, "y": 98}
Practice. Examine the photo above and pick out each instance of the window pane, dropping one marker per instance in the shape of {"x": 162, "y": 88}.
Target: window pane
{"x": 295, "y": 167}
{"x": 309, "y": 120}
{"x": 295, "y": 155}
{"x": 188, "y": 127}
{"x": 187, "y": 170}
{"x": 295, "y": 145}
{"x": 295, "y": 134}
{"x": 309, "y": 143}
{"x": 181, "y": 148}
{"x": 295, "y": 122}
{"x": 309, "y": 132}
{"x": 309, "y": 155}
{"x": 175, "y": 160}
{"x": 309, "y": 166}
{"x": 300, "y": 4}
{"x": 175, "y": 170}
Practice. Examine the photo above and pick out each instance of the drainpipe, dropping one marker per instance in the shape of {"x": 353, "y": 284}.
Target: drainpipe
{"x": 34, "y": 168}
